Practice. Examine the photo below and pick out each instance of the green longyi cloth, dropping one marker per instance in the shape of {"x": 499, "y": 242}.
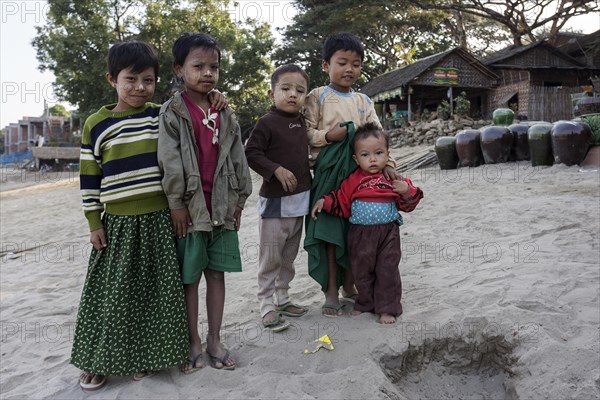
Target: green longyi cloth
{"x": 333, "y": 165}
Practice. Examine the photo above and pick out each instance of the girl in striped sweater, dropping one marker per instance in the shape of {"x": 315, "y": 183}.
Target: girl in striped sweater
{"x": 131, "y": 318}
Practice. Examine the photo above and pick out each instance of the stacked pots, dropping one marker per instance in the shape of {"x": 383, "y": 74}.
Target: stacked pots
{"x": 540, "y": 144}
{"x": 496, "y": 142}
{"x": 570, "y": 141}
{"x": 468, "y": 148}
{"x": 445, "y": 150}
{"x": 520, "y": 145}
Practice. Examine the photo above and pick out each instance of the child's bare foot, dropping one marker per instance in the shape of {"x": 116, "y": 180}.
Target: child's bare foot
{"x": 356, "y": 312}
{"x": 385, "y": 318}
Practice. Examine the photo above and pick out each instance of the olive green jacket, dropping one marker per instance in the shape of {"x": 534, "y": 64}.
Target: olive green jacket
{"x": 177, "y": 150}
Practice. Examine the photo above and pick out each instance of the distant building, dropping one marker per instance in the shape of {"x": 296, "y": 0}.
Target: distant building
{"x": 30, "y": 131}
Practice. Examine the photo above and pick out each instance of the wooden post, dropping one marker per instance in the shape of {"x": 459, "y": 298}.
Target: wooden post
{"x": 451, "y": 102}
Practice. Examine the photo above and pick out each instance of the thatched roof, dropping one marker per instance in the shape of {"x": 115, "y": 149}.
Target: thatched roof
{"x": 586, "y": 48}
{"x": 394, "y": 80}
{"x": 536, "y": 55}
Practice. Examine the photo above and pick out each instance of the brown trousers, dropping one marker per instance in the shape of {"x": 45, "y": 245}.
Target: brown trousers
{"x": 279, "y": 242}
{"x": 375, "y": 256}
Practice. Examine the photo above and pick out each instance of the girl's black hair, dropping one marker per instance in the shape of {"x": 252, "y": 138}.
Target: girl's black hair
{"x": 135, "y": 54}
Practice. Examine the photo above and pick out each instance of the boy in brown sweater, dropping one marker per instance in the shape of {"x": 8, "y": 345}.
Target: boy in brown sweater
{"x": 278, "y": 150}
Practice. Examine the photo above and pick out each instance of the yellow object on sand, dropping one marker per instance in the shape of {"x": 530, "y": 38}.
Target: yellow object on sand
{"x": 322, "y": 342}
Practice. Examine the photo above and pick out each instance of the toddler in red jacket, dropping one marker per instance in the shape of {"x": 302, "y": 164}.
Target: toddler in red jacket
{"x": 371, "y": 202}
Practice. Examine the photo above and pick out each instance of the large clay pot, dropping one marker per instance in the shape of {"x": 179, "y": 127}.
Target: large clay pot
{"x": 520, "y": 145}
{"x": 540, "y": 144}
{"x": 468, "y": 148}
{"x": 445, "y": 150}
{"x": 496, "y": 142}
{"x": 503, "y": 116}
{"x": 570, "y": 141}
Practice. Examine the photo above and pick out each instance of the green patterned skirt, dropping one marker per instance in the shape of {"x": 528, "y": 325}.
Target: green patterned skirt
{"x": 132, "y": 316}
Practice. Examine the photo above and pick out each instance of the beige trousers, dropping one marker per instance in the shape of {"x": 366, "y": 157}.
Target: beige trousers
{"x": 279, "y": 242}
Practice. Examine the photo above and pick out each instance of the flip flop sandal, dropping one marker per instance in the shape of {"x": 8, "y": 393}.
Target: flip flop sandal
{"x": 138, "y": 376}
{"x": 214, "y": 360}
{"x": 282, "y": 309}
{"x": 192, "y": 363}
{"x": 336, "y": 307}
{"x": 351, "y": 298}
{"x": 88, "y": 387}
{"x": 277, "y": 325}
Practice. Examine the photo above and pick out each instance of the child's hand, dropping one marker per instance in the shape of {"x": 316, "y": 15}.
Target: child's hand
{"x": 391, "y": 174}
{"x": 217, "y": 99}
{"x": 98, "y": 239}
{"x": 180, "y": 218}
{"x": 336, "y": 134}
{"x": 317, "y": 209}
{"x": 237, "y": 218}
{"x": 286, "y": 178}
{"x": 400, "y": 186}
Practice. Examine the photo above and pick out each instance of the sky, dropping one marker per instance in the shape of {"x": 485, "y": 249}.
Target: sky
{"x": 24, "y": 89}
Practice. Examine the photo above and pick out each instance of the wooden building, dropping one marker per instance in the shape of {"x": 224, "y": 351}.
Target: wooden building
{"x": 421, "y": 86}
{"x": 537, "y": 80}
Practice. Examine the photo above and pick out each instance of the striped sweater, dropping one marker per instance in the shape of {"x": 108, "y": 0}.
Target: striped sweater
{"x": 119, "y": 170}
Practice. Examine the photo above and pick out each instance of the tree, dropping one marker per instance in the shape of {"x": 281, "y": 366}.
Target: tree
{"x": 58, "y": 110}
{"x": 75, "y": 40}
{"x": 521, "y": 18}
{"x": 393, "y": 34}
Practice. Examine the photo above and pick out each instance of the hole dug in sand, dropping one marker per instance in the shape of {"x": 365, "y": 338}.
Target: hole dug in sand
{"x": 452, "y": 368}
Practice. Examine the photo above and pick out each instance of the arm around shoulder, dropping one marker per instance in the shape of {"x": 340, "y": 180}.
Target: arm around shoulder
{"x": 169, "y": 157}
{"x": 241, "y": 167}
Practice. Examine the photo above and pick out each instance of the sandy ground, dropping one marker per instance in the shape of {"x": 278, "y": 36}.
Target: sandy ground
{"x": 500, "y": 269}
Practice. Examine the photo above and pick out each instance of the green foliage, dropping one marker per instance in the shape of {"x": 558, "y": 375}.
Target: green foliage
{"x": 593, "y": 120}
{"x": 58, "y": 110}
{"x": 2, "y": 142}
{"x": 443, "y": 110}
{"x": 74, "y": 42}
{"x": 393, "y": 34}
{"x": 462, "y": 105}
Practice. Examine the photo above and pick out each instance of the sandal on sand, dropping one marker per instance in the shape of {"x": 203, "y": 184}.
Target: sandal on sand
{"x": 278, "y": 324}
{"x": 138, "y": 376}
{"x": 283, "y": 310}
{"x": 191, "y": 362}
{"x": 350, "y": 297}
{"x": 336, "y": 307}
{"x": 223, "y": 361}
{"x": 91, "y": 386}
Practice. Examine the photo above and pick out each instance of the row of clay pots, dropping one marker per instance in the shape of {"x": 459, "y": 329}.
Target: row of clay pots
{"x": 543, "y": 143}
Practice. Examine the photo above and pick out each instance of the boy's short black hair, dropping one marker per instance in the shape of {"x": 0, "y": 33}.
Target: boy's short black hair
{"x": 287, "y": 68}
{"x": 370, "y": 129}
{"x": 190, "y": 40}
{"x": 135, "y": 54}
{"x": 342, "y": 41}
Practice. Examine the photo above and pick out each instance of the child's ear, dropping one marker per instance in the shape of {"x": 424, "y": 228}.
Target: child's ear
{"x": 177, "y": 71}
{"x": 110, "y": 80}
{"x": 355, "y": 159}
{"x": 271, "y": 94}
{"x": 325, "y": 66}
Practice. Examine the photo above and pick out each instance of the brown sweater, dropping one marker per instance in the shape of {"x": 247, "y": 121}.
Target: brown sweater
{"x": 279, "y": 139}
